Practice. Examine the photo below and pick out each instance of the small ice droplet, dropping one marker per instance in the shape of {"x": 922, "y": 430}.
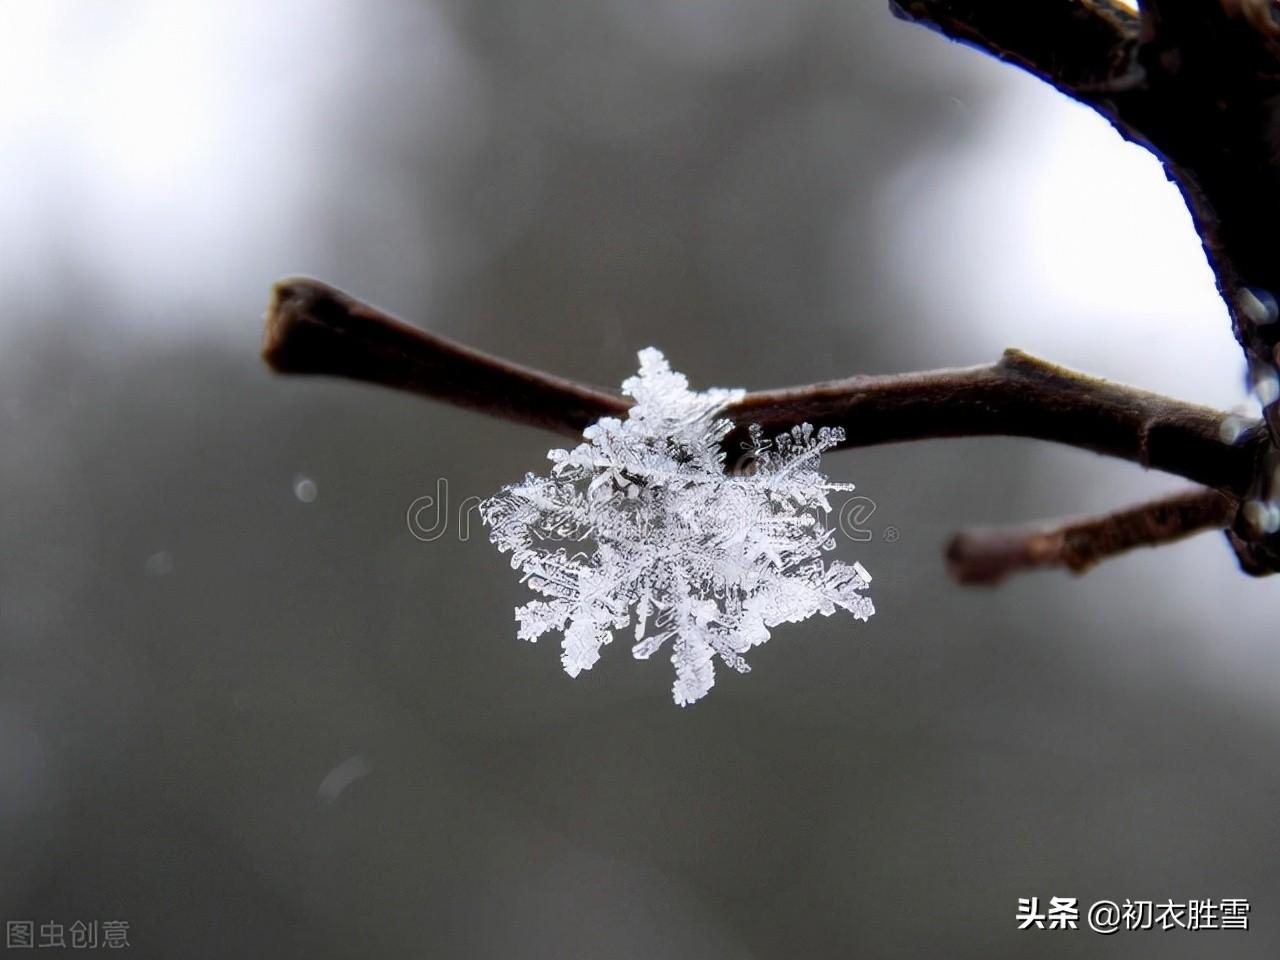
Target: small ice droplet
{"x": 1258, "y": 305}
{"x": 1255, "y": 511}
{"x": 1231, "y": 428}
{"x": 1271, "y": 522}
{"x": 304, "y": 488}
{"x": 159, "y": 564}
{"x": 1266, "y": 387}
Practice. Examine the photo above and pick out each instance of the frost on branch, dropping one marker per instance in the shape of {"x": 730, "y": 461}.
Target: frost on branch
{"x": 658, "y": 534}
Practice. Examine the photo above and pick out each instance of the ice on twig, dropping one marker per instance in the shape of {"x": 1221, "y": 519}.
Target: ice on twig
{"x": 643, "y": 525}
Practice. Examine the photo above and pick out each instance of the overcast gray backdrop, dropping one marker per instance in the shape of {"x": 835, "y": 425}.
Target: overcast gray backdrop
{"x": 770, "y": 193}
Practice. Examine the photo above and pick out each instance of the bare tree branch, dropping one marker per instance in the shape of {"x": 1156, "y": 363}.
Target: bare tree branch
{"x": 987, "y": 556}
{"x": 1197, "y": 82}
{"x": 1019, "y": 395}
{"x": 313, "y": 328}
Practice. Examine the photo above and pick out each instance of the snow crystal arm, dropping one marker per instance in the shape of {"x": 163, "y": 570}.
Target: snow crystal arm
{"x": 313, "y": 328}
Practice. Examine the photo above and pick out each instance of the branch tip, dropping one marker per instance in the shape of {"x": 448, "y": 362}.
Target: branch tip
{"x": 989, "y": 556}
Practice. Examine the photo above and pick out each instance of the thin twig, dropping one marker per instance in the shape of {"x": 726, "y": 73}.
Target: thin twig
{"x": 987, "y": 556}
{"x": 313, "y": 328}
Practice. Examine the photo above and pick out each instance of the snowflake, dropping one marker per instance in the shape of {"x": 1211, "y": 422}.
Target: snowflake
{"x": 708, "y": 559}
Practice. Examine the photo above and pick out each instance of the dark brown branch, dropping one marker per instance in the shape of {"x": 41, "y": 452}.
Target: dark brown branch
{"x": 314, "y": 329}
{"x": 1197, "y": 82}
{"x": 1019, "y": 396}
{"x": 988, "y": 556}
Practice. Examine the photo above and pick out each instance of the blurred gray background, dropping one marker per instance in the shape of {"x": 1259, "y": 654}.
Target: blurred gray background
{"x": 213, "y": 615}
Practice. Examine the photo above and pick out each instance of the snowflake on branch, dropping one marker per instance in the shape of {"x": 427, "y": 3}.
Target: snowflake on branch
{"x": 699, "y": 558}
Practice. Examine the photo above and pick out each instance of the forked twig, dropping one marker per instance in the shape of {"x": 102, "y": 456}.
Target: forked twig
{"x": 1194, "y": 81}
{"x": 313, "y": 328}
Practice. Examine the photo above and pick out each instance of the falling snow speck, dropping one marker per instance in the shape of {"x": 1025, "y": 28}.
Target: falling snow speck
{"x": 305, "y": 489}
{"x": 1258, "y": 305}
{"x": 342, "y": 776}
{"x": 159, "y": 564}
{"x": 641, "y": 528}
{"x": 1264, "y": 385}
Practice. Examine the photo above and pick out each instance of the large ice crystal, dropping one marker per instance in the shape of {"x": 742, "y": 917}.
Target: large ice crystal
{"x": 659, "y": 533}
